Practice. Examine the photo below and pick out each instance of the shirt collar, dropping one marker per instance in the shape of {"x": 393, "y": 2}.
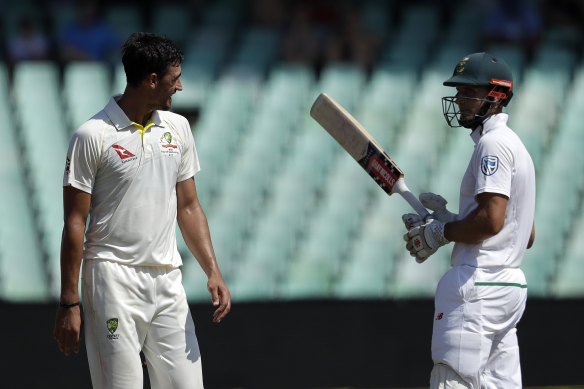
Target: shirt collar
{"x": 489, "y": 124}
{"x": 119, "y": 118}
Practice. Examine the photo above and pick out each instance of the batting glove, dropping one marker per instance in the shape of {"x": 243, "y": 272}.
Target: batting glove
{"x": 437, "y": 204}
{"x": 424, "y": 240}
{"x": 434, "y": 203}
{"x": 412, "y": 220}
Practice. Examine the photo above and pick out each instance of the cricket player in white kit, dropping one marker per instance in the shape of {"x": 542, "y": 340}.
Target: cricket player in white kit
{"x": 131, "y": 168}
{"x": 480, "y": 300}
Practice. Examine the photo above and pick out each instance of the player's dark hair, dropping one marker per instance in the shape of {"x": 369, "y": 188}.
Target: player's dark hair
{"x": 145, "y": 53}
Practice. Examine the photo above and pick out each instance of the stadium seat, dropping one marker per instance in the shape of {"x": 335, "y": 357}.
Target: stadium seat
{"x": 366, "y": 272}
{"x": 451, "y": 166}
{"x": 253, "y": 282}
{"x": 22, "y": 270}
{"x": 568, "y": 280}
{"x": 43, "y": 135}
{"x": 344, "y": 82}
{"x": 196, "y": 81}
{"x": 194, "y": 280}
{"x": 257, "y": 50}
{"x": 412, "y": 279}
{"x": 86, "y": 90}
{"x": 309, "y": 276}
{"x": 208, "y": 49}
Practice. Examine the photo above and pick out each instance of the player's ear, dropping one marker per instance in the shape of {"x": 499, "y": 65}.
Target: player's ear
{"x": 152, "y": 80}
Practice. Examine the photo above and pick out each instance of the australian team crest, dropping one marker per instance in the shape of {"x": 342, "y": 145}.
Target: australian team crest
{"x": 168, "y": 144}
{"x": 489, "y": 165}
{"x": 112, "y": 326}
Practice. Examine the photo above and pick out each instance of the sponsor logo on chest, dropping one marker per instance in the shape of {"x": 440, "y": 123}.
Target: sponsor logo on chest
{"x": 124, "y": 154}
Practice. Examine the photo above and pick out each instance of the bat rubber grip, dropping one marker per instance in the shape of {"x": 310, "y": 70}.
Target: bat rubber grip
{"x": 401, "y": 188}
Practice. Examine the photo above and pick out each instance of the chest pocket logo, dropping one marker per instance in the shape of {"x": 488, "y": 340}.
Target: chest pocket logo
{"x": 489, "y": 165}
{"x": 168, "y": 144}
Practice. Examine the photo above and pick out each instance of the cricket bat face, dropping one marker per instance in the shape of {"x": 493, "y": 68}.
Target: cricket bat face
{"x": 363, "y": 148}
{"x": 355, "y": 139}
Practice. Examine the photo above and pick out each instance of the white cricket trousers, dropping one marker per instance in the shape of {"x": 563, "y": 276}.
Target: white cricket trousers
{"x": 474, "y": 331}
{"x": 128, "y": 309}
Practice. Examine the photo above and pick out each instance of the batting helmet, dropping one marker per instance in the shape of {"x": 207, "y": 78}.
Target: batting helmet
{"x": 479, "y": 69}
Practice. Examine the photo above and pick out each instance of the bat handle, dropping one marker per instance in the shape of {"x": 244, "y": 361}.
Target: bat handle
{"x": 401, "y": 188}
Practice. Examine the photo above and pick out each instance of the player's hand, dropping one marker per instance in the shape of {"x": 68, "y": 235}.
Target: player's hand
{"x": 220, "y": 297}
{"x": 68, "y": 329}
{"x": 424, "y": 240}
{"x": 437, "y": 203}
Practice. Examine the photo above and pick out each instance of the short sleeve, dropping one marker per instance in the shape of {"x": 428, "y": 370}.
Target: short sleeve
{"x": 83, "y": 159}
{"x": 189, "y": 164}
{"x": 493, "y": 166}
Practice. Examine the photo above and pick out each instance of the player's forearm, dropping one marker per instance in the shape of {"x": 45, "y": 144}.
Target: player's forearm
{"x": 473, "y": 229}
{"x": 484, "y": 222}
{"x": 195, "y": 230}
{"x": 531, "y": 237}
{"x": 71, "y": 256}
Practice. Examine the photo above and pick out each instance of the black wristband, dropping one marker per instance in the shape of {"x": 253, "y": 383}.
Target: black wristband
{"x": 69, "y": 305}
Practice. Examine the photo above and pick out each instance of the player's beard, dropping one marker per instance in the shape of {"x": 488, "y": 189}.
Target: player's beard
{"x": 168, "y": 104}
{"x": 165, "y": 104}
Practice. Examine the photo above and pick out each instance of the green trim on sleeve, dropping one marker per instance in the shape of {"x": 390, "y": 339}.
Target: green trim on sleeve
{"x": 501, "y": 284}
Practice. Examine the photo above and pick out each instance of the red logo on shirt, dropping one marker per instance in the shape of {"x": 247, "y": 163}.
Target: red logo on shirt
{"x": 122, "y": 152}
{"x": 440, "y": 316}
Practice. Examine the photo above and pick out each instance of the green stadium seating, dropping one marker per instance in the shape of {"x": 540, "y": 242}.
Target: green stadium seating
{"x": 568, "y": 280}
{"x": 86, "y": 90}
{"x": 22, "y": 273}
{"x": 257, "y": 50}
{"x": 194, "y": 280}
{"x": 344, "y": 82}
{"x": 43, "y": 136}
{"x": 292, "y": 216}
{"x": 412, "y": 279}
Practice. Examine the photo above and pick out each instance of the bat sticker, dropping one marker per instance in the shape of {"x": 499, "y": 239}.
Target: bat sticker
{"x": 383, "y": 173}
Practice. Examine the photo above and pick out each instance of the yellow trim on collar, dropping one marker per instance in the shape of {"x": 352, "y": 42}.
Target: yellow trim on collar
{"x": 143, "y": 129}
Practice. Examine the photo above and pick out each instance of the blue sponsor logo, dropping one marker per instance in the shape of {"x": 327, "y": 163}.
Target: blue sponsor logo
{"x": 489, "y": 165}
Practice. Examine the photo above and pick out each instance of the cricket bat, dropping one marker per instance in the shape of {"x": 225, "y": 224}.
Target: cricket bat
{"x": 355, "y": 139}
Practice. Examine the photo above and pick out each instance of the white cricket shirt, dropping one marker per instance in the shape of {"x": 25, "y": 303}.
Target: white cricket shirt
{"x": 131, "y": 173}
{"x": 499, "y": 164}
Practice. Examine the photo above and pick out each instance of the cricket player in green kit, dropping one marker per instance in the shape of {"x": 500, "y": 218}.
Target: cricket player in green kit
{"x": 131, "y": 169}
{"x": 480, "y": 300}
